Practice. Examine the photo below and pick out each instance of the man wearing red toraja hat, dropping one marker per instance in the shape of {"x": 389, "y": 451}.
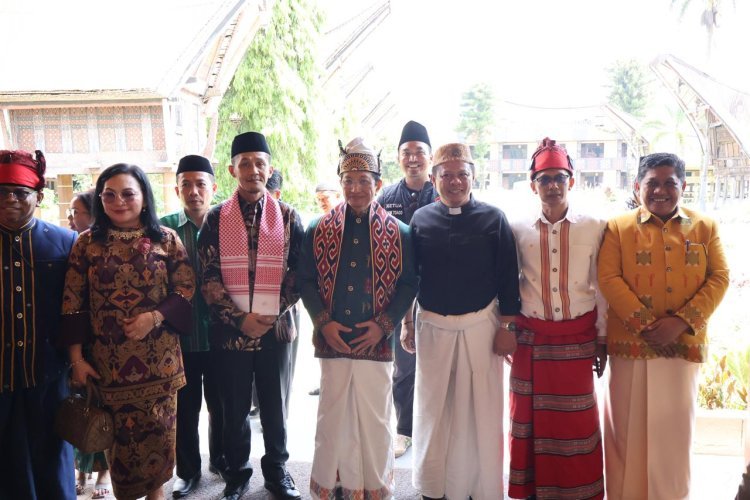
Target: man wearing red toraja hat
{"x": 468, "y": 294}
{"x": 663, "y": 271}
{"x": 555, "y": 440}
{"x": 249, "y": 247}
{"x": 401, "y": 200}
{"x": 357, "y": 279}
{"x": 34, "y": 462}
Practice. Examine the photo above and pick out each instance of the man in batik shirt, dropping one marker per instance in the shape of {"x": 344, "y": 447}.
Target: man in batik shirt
{"x": 249, "y": 246}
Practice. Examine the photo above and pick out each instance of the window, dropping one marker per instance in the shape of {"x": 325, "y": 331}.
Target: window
{"x": 514, "y": 152}
{"x": 592, "y": 150}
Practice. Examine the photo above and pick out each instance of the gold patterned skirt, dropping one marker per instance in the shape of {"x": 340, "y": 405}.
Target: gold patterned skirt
{"x": 143, "y": 454}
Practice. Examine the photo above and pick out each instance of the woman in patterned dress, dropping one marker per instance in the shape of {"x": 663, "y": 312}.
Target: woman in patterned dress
{"x": 80, "y": 219}
{"x": 127, "y": 298}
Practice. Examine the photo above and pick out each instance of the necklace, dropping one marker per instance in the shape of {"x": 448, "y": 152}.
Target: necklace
{"x": 126, "y": 234}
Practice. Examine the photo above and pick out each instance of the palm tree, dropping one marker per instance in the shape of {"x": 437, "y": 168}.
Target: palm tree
{"x": 709, "y": 17}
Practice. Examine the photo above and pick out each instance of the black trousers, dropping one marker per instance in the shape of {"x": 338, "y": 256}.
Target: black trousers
{"x": 404, "y": 371}
{"x": 236, "y": 371}
{"x": 201, "y": 381}
{"x": 35, "y": 464}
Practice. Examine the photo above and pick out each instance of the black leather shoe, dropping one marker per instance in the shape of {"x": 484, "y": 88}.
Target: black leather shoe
{"x": 183, "y": 487}
{"x": 283, "y": 488}
{"x": 235, "y": 491}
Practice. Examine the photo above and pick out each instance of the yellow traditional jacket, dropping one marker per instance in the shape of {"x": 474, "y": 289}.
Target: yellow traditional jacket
{"x": 649, "y": 269}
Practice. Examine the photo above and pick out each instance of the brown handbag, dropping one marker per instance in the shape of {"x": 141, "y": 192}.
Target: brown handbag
{"x": 83, "y": 424}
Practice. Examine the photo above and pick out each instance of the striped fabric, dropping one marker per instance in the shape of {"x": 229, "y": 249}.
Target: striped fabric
{"x": 555, "y": 440}
{"x": 235, "y": 262}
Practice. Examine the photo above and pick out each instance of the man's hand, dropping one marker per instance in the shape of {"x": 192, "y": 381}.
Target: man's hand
{"x": 331, "y": 334}
{"x": 505, "y": 342}
{"x": 600, "y": 359}
{"x": 408, "y": 339}
{"x": 369, "y": 339}
{"x": 256, "y": 325}
{"x": 662, "y": 334}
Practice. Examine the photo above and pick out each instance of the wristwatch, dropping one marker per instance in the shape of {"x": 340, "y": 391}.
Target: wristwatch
{"x": 509, "y": 325}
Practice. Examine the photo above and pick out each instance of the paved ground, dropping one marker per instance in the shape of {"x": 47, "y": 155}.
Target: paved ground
{"x": 714, "y": 477}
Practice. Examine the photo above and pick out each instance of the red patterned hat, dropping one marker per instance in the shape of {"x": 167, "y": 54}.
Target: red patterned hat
{"x": 550, "y": 155}
{"x": 22, "y": 169}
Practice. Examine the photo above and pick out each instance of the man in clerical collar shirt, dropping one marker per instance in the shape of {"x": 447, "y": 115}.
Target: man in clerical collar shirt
{"x": 468, "y": 295}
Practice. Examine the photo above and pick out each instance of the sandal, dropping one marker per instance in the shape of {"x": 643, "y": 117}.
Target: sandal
{"x": 101, "y": 490}
{"x": 80, "y": 485}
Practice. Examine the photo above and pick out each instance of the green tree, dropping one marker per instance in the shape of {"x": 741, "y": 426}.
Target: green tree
{"x": 628, "y": 87}
{"x": 274, "y": 92}
{"x": 477, "y": 116}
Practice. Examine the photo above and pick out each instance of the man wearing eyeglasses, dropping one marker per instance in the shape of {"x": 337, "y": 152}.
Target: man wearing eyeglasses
{"x": 356, "y": 278}
{"x": 34, "y": 462}
{"x": 401, "y": 200}
{"x": 468, "y": 295}
{"x": 555, "y": 440}
{"x": 663, "y": 271}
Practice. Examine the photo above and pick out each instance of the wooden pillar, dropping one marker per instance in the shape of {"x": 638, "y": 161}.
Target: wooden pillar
{"x": 171, "y": 202}
{"x": 64, "y": 190}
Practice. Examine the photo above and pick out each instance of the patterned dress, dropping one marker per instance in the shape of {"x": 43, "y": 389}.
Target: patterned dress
{"x": 107, "y": 282}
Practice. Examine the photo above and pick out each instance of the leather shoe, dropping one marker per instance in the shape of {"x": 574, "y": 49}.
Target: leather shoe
{"x": 183, "y": 487}
{"x": 283, "y": 488}
{"x": 235, "y": 491}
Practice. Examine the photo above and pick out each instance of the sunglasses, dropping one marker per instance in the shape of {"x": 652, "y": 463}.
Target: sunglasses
{"x": 18, "y": 194}
{"x": 109, "y": 197}
{"x": 546, "y": 180}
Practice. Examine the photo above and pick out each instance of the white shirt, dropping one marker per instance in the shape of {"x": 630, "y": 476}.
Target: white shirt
{"x": 557, "y": 263}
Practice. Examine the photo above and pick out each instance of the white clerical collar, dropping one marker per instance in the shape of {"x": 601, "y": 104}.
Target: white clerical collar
{"x": 454, "y": 211}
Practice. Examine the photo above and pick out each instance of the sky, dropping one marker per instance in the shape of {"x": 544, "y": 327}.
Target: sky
{"x": 539, "y": 52}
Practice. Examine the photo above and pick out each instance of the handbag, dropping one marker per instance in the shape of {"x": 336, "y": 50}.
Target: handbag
{"x": 86, "y": 426}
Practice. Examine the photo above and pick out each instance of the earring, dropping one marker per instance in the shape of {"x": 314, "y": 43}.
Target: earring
{"x": 143, "y": 210}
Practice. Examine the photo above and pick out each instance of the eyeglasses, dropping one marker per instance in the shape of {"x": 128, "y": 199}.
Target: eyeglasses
{"x": 72, "y": 212}
{"x": 109, "y": 197}
{"x": 18, "y": 194}
{"x": 546, "y": 180}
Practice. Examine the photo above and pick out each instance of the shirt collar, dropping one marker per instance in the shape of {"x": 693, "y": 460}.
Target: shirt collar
{"x": 644, "y": 215}
{"x": 27, "y": 227}
{"x": 571, "y": 215}
{"x": 467, "y": 206}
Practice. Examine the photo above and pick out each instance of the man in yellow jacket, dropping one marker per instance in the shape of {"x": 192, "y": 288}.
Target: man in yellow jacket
{"x": 663, "y": 271}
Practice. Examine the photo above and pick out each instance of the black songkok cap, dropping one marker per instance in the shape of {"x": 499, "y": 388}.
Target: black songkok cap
{"x": 414, "y": 131}
{"x": 250, "y": 142}
{"x": 194, "y": 163}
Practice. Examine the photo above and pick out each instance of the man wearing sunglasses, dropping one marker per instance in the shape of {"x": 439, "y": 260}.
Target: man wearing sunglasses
{"x": 34, "y": 462}
{"x": 401, "y": 200}
{"x": 555, "y": 441}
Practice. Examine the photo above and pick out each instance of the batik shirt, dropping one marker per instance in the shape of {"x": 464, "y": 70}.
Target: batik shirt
{"x": 124, "y": 276}
{"x": 226, "y": 316}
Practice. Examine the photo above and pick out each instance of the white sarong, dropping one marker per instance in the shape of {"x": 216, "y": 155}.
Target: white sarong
{"x": 458, "y": 407}
{"x": 353, "y": 439}
{"x": 648, "y": 428}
